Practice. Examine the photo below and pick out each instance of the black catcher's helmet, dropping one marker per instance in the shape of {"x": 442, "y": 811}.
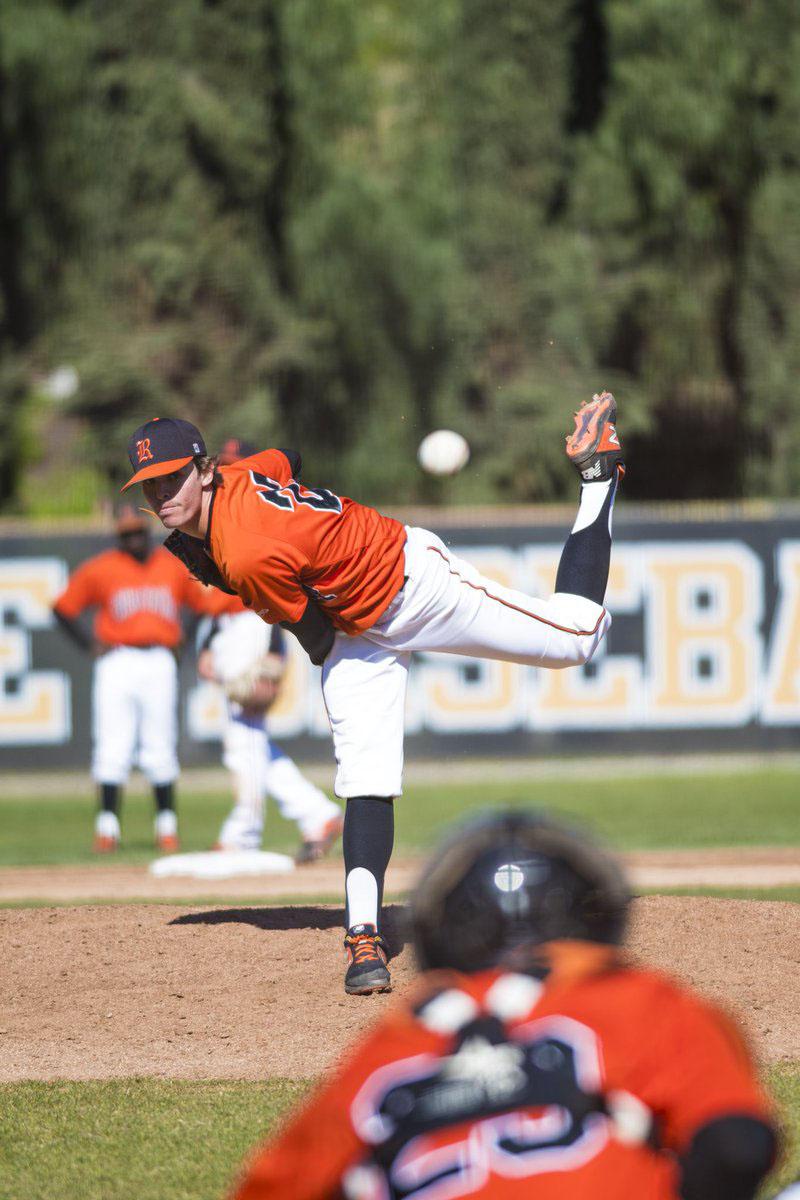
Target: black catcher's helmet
{"x": 514, "y": 879}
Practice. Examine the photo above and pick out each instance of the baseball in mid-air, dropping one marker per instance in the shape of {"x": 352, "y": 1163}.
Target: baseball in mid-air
{"x": 443, "y": 452}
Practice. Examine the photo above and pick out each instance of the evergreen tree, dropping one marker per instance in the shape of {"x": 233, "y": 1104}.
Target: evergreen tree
{"x": 341, "y": 226}
{"x": 667, "y": 186}
{"x": 43, "y": 57}
{"x": 525, "y": 312}
{"x": 768, "y": 315}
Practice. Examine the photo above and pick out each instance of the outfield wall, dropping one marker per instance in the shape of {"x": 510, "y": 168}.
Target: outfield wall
{"x": 704, "y": 652}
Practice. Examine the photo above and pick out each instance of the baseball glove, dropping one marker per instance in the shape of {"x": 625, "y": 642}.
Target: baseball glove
{"x": 192, "y": 554}
{"x": 257, "y": 687}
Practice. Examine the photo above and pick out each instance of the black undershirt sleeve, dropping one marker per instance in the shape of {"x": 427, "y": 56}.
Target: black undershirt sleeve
{"x": 277, "y": 642}
{"x": 74, "y": 630}
{"x": 728, "y": 1159}
{"x": 314, "y": 632}
{"x": 295, "y": 461}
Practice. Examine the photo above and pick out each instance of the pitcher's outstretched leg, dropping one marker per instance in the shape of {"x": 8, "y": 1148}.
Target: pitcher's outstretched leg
{"x": 595, "y": 451}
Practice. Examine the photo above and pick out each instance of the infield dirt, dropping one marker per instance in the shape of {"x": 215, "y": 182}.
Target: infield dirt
{"x": 750, "y": 866}
{"x": 95, "y": 992}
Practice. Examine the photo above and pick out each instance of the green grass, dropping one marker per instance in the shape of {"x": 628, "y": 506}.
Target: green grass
{"x": 757, "y": 808}
{"x": 153, "y": 1139}
{"x": 788, "y": 892}
{"x": 142, "y": 1138}
{"x": 784, "y": 1083}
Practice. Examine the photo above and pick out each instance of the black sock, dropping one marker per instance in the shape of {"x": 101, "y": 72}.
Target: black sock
{"x": 367, "y": 840}
{"x": 164, "y": 794}
{"x": 585, "y": 559}
{"x": 109, "y": 797}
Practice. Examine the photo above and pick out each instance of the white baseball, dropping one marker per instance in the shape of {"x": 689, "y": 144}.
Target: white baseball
{"x": 443, "y": 452}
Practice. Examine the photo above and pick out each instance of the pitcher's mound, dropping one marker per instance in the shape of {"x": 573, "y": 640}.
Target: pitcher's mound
{"x": 250, "y": 993}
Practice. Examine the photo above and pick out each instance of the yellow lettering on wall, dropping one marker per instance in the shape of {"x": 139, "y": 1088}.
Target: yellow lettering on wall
{"x": 205, "y": 711}
{"x": 703, "y": 647}
{"x": 781, "y": 701}
{"x": 34, "y": 705}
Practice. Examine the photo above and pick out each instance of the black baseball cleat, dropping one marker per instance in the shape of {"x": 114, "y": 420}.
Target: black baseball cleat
{"x": 366, "y": 962}
{"x": 593, "y": 448}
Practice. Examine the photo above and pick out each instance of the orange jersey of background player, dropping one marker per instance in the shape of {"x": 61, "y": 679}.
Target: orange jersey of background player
{"x": 277, "y": 542}
{"x": 138, "y": 603}
{"x": 630, "y": 1036}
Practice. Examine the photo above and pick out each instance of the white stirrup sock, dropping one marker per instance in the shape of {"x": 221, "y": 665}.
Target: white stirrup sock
{"x": 166, "y": 823}
{"x": 593, "y": 497}
{"x": 362, "y": 897}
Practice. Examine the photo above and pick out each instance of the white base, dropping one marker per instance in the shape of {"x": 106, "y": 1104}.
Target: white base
{"x": 222, "y": 864}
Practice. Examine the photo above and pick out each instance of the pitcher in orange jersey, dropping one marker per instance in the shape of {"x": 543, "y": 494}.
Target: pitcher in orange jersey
{"x": 533, "y": 1060}
{"x": 137, "y": 592}
{"x": 364, "y": 592}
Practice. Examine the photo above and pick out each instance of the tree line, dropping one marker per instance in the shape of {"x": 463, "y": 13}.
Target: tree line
{"x": 338, "y": 226}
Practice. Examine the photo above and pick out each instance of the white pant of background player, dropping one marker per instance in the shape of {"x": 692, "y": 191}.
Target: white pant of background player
{"x": 134, "y": 723}
{"x": 262, "y": 769}
{"x": 259, "y": 767}
{"x": 445, "y": 605}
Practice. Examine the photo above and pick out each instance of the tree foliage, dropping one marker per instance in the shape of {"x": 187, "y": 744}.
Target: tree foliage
{"x": 339, "y": 226}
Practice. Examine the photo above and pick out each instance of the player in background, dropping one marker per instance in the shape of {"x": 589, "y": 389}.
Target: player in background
{"x": 533, "y": 1058}
{"x": 363, "y": 592}
{"x": 137, "y": 592}
{"x": 247, "y": 659}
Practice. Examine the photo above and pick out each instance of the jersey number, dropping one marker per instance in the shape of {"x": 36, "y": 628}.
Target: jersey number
{"x": 555, "y": 1124}
{"x": 288, "y": 495}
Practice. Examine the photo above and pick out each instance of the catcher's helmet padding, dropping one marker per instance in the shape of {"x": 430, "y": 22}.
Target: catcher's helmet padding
{"x": 512, "y": 879}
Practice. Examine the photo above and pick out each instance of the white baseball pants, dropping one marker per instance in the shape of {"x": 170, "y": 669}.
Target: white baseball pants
{"x": 262, "y": 769}
{"x": 134, "y": 715}
{"x": 446, "y": 605}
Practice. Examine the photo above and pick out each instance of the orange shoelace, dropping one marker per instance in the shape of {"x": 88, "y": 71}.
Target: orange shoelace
{"x": 365, "y": 948}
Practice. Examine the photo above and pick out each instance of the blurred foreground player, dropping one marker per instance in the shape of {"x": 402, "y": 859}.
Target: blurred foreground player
{"x": 137, "y": 592}
{"x": 533, "y": 1059}
{"x": 247, "y": 658}
{"x": 362, "y": 593}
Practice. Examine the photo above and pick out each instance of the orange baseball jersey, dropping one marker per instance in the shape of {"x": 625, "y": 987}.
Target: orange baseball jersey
{"x": 138, "y": 603}
{"x": 584, "y": 1084}
{"x": 278, "y": 542}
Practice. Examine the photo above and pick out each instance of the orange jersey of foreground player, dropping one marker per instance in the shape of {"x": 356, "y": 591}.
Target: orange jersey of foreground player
{"x": 278, "y": 542}
{"x": 598, "y": 1035}
{"x": 138, "y": 603}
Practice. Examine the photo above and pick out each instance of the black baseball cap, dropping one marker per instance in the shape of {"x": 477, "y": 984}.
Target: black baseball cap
{"x": 162, "y": 446}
